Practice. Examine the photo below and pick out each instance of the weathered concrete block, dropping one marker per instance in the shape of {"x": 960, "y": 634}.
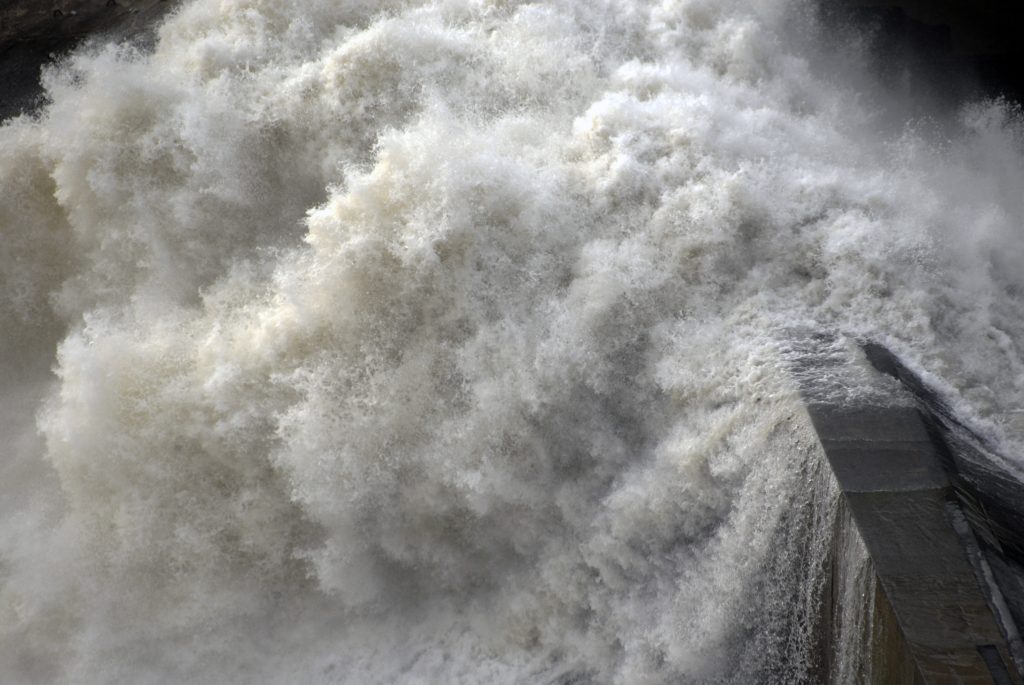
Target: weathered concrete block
{"x": 900, "y": 481}
{"x": 877, "y": 448}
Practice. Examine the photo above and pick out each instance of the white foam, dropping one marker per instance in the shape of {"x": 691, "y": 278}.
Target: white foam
{"x": 434, "y": 342}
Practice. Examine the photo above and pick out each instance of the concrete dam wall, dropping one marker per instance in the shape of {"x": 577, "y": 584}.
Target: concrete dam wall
{"x": 936, "y": 515}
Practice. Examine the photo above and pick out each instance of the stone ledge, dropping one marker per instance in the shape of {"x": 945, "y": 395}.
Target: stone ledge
{"x": 915, "y": 513}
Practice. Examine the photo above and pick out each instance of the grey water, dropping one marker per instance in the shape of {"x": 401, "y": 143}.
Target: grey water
{"x": 422, "y": 342}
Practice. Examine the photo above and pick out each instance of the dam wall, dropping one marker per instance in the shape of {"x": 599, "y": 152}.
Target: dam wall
{"x": 934, "y": 597}
{"x": 861, "y": 637}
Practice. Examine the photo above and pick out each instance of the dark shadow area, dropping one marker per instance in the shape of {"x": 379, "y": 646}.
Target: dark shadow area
{"x": 33, "y": 34}
{"x": 935, "y": 54}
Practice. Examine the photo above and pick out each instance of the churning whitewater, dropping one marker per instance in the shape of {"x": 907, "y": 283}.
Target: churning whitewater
{"x": 442, "y": 342}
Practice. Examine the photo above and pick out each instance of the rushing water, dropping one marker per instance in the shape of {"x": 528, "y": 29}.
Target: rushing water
{"x": 375, "y": 342}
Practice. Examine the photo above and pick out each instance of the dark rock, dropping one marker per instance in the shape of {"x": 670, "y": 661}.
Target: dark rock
{"x": 34, "y": 33}
{"x": 933, "y": 506}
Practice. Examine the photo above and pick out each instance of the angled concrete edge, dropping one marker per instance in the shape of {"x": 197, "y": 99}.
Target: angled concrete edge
{"x": 938, "y": 527}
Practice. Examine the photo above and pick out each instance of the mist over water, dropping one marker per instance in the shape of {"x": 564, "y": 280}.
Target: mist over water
{"x": 374, "y": 342}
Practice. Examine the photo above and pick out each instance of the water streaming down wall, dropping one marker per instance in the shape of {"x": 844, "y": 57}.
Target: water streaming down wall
{"x": 440, "y": 342}
{"x": 862, "y": 639}
{"x": 851, "y": 609}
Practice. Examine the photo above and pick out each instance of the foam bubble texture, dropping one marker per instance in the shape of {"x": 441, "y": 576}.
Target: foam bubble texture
{"x": 438, "y": 342}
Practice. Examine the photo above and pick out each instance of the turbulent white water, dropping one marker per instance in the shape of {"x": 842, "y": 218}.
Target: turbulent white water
{"x": 374, "y": 342}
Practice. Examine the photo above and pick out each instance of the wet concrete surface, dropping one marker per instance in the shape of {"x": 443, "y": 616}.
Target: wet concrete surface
{"x": 934, "y": 507}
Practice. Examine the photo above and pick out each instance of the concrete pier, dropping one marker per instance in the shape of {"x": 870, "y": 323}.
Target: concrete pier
{"x": 943, "y": 576}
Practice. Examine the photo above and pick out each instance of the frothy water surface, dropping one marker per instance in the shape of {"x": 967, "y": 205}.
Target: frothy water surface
{"x": 440, "y": 342}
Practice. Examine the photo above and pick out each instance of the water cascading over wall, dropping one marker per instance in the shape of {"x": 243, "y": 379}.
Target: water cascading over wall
{"x": 359, "y": 342}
